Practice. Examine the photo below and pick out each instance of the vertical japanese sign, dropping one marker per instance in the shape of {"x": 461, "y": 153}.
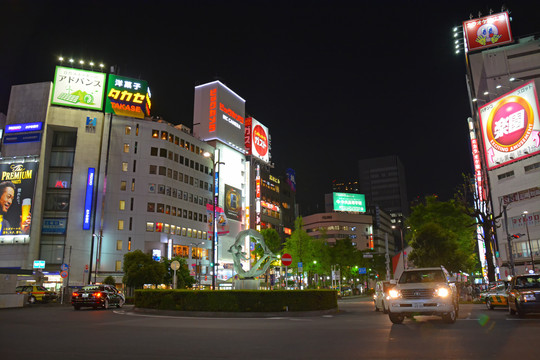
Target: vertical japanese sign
{"x": 487, "y": 31}
{"x": 16, "y": 197}
{"x": 510, "y": 126}
{"x": 87, "y": 219}
{"x": 257, "y": 139}
{"x": 78, "y": 88}
{"x": 128, "y": 97}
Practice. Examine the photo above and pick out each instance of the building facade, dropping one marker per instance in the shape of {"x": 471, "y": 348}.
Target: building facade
{"x": 507, "y": 157}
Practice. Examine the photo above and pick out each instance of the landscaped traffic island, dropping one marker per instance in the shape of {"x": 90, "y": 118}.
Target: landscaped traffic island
{"x": 237, "y": 301}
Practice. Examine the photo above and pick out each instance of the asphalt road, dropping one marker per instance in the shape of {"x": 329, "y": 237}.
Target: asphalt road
{"x": 356, "y": 332}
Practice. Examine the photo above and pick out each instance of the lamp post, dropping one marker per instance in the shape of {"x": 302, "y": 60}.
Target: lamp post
{"x": 214, "y": 219}
{"x": 524, "y": 216}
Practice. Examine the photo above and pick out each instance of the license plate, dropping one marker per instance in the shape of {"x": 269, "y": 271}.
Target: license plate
{"x": 85, "y": 295}
{"x": 416, "y": 305}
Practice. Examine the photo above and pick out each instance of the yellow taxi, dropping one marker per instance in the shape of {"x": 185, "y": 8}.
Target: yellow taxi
{"x": 36, "y": 293}
{"x": 497, "y": 295}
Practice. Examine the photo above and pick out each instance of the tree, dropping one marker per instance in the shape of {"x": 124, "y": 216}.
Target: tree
{"x": 139, "y": 269}
{"x": 109, "y": 280}
{"x": 482, "y": 215}
{"x": 183, "y": 277}
{"x": 300, "y": 246}
{"x": 453, "y": 238}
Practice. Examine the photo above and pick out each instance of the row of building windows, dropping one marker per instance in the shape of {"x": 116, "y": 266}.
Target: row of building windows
{"x": 172, "y": 210}
{"x": 164, "y": 135}
{"x": 333, "y": 228}
{"x": 164, "y": 153}
{"x": 175, "y": 230}
{"x": 176, "y": 175}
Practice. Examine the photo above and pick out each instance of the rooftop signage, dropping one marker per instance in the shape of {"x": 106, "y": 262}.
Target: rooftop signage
{"x": 349, "y": 202}
{"x": 78, "y": 88}
{"x": 128, "y": 97}
{"x": 488, "y": 31}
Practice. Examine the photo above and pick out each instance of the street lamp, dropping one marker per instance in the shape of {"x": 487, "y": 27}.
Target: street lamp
{"x": 524, "y": 216}
{"x": 214, "y": 220}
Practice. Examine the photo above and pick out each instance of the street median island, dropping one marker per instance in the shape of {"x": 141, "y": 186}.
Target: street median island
{"x": 237, "y": 303}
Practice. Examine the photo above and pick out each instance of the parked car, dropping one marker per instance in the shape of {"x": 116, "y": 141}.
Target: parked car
{"x": 497, "y": 295}
{"x": 36, "y": 293}
{"x": 524, "y": 294}
{"x": 381, "y": 297}
{"x": 424, "y": 291}
{"x": 97, "y": 296}
{"x": 346, "y": 291}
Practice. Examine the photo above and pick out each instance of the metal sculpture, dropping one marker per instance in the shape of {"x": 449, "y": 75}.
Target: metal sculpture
{"x": 238, "y": 255}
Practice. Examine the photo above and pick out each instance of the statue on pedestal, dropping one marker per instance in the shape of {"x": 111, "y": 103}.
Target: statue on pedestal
{"x": 238, "y": 255}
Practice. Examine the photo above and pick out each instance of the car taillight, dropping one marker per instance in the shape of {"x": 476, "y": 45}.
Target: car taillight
{"x": 98, "y": 294}
{"x": 75, "y": 294}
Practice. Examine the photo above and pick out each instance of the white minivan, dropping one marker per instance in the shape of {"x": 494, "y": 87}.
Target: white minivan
{"x": 380, "y": 298}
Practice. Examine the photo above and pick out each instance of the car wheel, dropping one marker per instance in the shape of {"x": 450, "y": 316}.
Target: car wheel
{"x": 106, "y": 304}
{"x": 376, "y": 307}
{"x": 32, "y": 300}
{"x": 76, "y": 307}
{"x": 120, "y": 303}
{"x": 450, "y": 317}
{"x": 384, "y": 310}
{"x": 489, "y": 305}
{"x": 396, "y": 318}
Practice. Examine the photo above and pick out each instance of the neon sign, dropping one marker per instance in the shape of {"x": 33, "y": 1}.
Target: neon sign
{"x": 128, "y": 97}
{"x": 88, "y": 198}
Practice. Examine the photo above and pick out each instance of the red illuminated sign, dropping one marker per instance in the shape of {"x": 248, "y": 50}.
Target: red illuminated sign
{"x": 213, "y": 109}
{"x": 247, "y": 135}
{"x": 487, "y": 31}
{"x": 260, "y": 140}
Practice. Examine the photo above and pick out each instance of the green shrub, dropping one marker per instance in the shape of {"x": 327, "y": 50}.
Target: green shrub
{"x": 237, "y": 300}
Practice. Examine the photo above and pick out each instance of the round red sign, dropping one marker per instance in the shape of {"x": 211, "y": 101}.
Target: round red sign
{"x": 286, "y": 259}
{"x": 260, "y": 140}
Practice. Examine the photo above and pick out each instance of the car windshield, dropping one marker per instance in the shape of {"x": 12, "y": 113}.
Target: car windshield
{"x": 526, "y": 282}
{"x": 40, "y": 288}
{"x": 421, "y": 276}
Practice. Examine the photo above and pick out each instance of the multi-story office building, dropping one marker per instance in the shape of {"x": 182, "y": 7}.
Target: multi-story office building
{"x": 503, "y": 76}
{"x": 105, "y": 185}
{"x": 382, "y": 181}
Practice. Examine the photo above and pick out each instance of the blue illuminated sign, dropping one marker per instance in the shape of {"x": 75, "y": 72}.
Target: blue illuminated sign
{"x": 14, "y": 128}
{"x": 21, "y": 138}
{"x": 88, "y": 199}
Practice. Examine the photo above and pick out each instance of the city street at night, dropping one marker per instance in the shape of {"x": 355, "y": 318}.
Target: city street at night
{"x": 357, "y": 331}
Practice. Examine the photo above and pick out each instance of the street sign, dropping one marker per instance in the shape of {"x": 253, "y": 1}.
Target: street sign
{"x": 64, "y": 267}
{"x": 368, "y": 256}
{"x": 175, "y": 265}
{"x": 362, "y": 271}
{"x": 63, "y": 274}
{"x": 286, "y": 259}
{"x": 39, "y": 264}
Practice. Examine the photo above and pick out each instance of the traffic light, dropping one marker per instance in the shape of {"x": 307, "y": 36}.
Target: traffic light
{"x": 516, "y": 236}
{"x": 376, "y": 276}
{"x": 371, "y": 242}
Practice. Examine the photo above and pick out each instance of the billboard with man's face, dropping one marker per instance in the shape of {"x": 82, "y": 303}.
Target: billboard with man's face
{"x": 17, "y": 180}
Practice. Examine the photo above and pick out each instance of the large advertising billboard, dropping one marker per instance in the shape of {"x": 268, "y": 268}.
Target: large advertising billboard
{"x": 17, "y": 181}
{"x": 488, "y": 31}
{"x": 233, "y": 203}
{"x": 219, "y": 114}
{"x": 349, "y": 202}
{"x": 257, "y": 140}
{"x": 510, "y": 126}
{"x": 78, "y": 88}
{"x": 127, "y": 97}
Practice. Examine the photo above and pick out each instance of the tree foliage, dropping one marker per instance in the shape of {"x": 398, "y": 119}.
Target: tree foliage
{"x": 442, "y": 235}
{"x": 139, "y": 269}
{"x": 109, "y": 280}
{"x": 183, "y": 277}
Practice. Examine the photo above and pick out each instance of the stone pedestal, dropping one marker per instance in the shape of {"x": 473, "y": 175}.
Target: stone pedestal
{"x": 246, "y": 284}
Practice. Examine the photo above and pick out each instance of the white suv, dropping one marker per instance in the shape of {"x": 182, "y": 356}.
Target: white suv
{"x": 424, "y": 291}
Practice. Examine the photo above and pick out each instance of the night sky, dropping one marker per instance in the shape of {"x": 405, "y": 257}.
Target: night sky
{"x": 334, "y": 81}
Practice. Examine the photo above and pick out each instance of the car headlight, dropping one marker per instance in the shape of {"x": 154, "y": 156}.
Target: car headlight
{"x": 394, "y": 294}
{"x": 528, "y": 297}
{"x": 442, "y": 292}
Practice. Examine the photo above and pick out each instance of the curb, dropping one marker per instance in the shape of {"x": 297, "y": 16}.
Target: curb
{"x": 219, "y": 314}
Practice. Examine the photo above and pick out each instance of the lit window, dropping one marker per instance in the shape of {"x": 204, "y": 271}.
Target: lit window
{"x": 119, "y": 245}
{"x": 120, "y": 224}
{"x": 149, "y": 226}
{"x": 118, "y": 266}
{"x": 122, "y": 205}
{"x": 126, "y": 148}
{"x": 123, "y": 185}
{"x": 124, "y": 166}
{"x": 155, "y": 134}
{"x": 128, "y": 130}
